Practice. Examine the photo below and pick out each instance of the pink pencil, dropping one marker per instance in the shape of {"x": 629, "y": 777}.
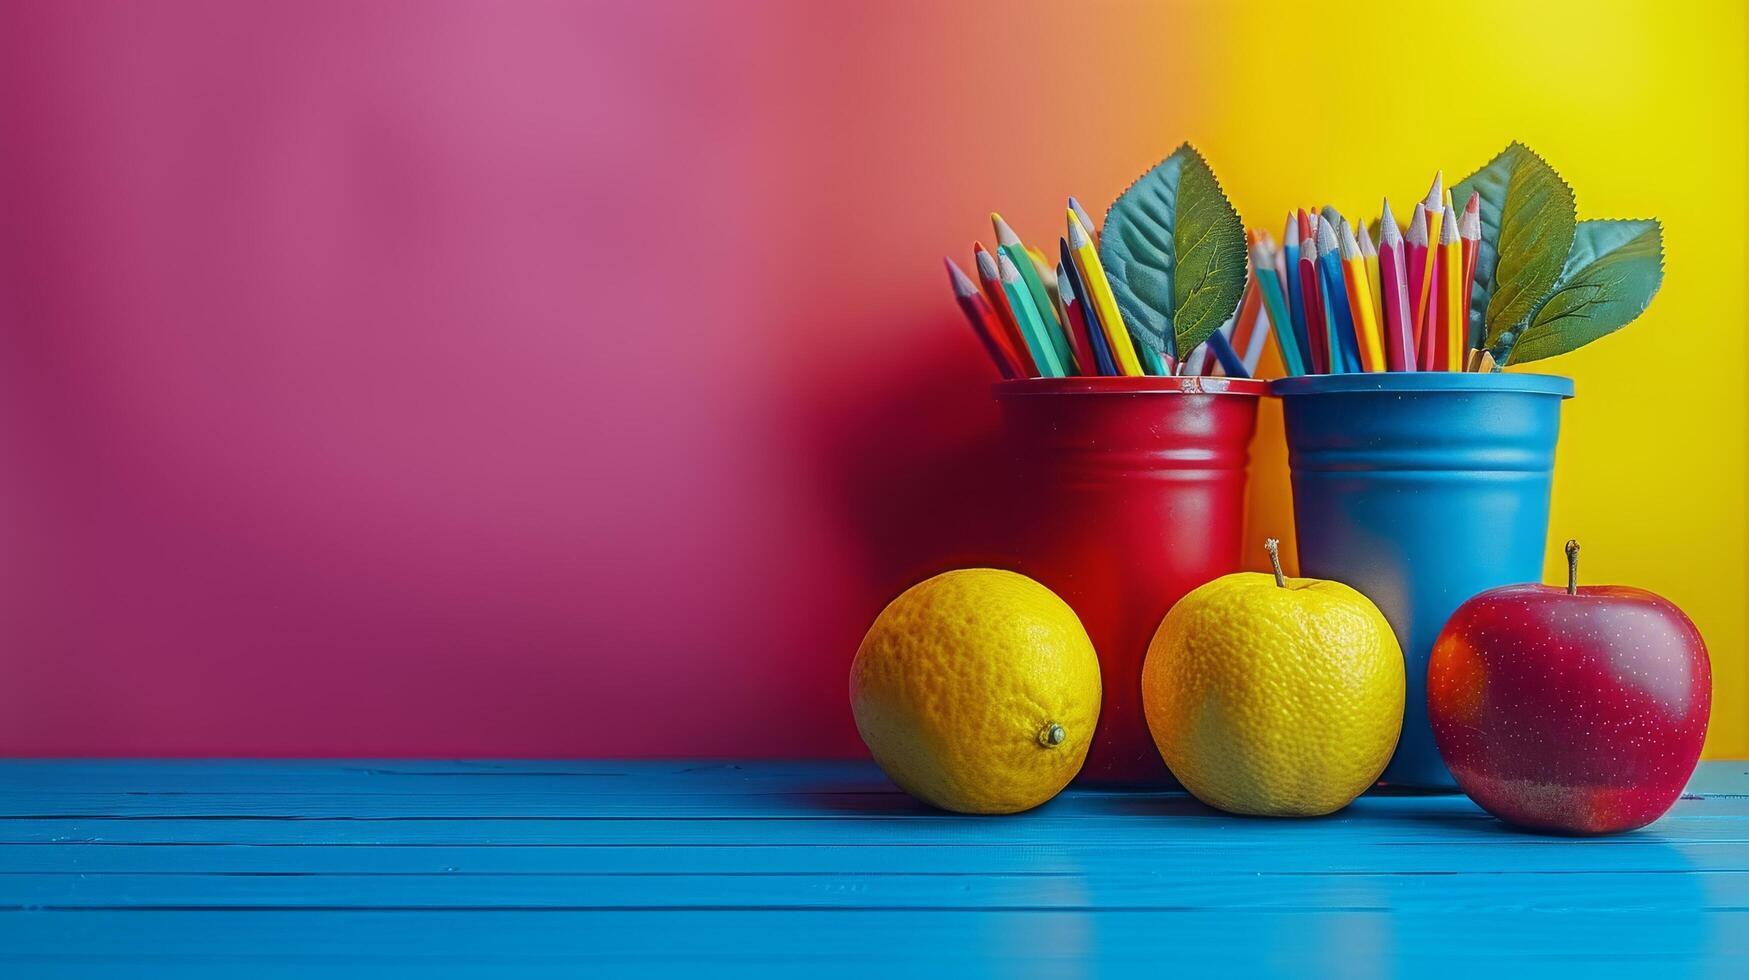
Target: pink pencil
{"x": 1415, "y": 252}
{"x": 1394, "y": 287}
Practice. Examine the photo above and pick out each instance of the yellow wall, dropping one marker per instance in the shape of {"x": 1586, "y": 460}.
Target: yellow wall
{"x": 1642, "y": 109}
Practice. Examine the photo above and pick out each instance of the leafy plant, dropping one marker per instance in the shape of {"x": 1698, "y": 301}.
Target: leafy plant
{"x": 1174, "y": 250}
{"x": 1546, "y": 283}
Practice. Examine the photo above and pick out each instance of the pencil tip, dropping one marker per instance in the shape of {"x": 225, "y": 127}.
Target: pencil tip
{"x": 1435, "y": 195}
{"x": 1006, "y": 268}
{"x": 1418, "y": 226}
{"x": 1448, "y": 227}
{"x": 1077, "y": 234}
{"x": 986, "y": 264}
{"x": 1004, "y": 234}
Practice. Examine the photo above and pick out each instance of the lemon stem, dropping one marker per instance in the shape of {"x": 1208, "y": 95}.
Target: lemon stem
{"x": 1274, "y": 548}
{"x": 1572, "y": 566}
{"x": 1051, "y": 735}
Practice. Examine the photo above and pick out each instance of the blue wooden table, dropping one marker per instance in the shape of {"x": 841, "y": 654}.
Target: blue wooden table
{"x": 428, "y": 869}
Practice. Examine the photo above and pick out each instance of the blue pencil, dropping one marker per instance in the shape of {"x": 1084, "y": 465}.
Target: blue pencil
{"x": 1335, "y": 294}
{"x": 1290, "y": 248}
{"x": 1095, "y": 330}
{"x": 1228, "y": 357}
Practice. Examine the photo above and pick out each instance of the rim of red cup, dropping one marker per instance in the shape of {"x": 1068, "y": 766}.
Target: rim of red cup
{"x": 1133, "y": 385}
{"x": 1401, "y": 382}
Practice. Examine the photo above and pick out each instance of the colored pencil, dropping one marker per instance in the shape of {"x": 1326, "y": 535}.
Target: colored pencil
{"x": 1470, "y": 231}
{"x": 1089, "y": 316}
{"x": 1245, "y": 318}
{"x": 1370, "y": 255}
{"x": 1253, "y": 353}
{"x": 1223, "y": 351}
{"x": 1009, "y": 244}
{"x": 1366, "y": 322}
{"x": 1399, "y": 330}
{"x": 1031, "y": 321}
{"x": 991, "y": 277}
{"x": 1117, "y": 335}
{"x": 1317, "y": 334}
{"x": 1086, "y": 222}
{"x": 983, "y": 320}
{"x": 1075, "y": 323}
{"x": 1418, "y": 255}
{"x": 1431, "y": 211}
{"x": 1335, "y": 295}
{"x": 1454, "y": 330}
{"x": 1435, "y": 356}
{"x": 1290, "y": 287}
{"x": 1280, "y": 319}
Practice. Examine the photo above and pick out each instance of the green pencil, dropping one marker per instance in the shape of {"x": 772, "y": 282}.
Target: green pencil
{"x": 1026, "y": 315}
{"x": 1263, "y": 267}
{"x": 1009, "y": 244}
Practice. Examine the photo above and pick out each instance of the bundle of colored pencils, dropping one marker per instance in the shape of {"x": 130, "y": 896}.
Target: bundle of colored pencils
{"x": 1339, "y": 304}
{"x": 1040, "y": 321}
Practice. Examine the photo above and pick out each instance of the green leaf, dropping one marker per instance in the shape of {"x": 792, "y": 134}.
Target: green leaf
{"x": 1609, "y": 277}
{"x": 1528, "y": 217}
{"x": 1174, "y": 250}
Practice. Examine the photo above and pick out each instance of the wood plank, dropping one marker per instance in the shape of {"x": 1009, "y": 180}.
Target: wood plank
{"x": 849, "y": 943}
{"x": 1162, "y": 890}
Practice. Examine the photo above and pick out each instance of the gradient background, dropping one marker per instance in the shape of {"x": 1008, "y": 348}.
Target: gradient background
{"x": 580, "y": 379}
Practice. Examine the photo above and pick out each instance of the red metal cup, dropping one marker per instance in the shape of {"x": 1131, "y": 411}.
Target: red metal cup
{"x": 1130, "y": 492}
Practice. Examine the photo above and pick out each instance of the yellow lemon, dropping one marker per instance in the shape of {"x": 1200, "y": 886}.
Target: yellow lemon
{"x": 1274, "y": 696}
{"x": 977, "y": 691}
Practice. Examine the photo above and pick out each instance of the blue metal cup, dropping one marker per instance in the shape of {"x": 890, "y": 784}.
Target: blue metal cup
{"x": 1421, "y": 489}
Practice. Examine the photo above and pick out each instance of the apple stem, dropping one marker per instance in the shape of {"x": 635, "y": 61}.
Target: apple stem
{"x": 1572, "y": 566}
{"x": 1274, "y": 548}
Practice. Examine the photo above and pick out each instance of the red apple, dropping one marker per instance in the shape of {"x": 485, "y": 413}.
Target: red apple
{"x": 1577, "y": 710}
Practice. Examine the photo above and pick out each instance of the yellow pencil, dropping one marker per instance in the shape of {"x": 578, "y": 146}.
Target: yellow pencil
{"x": 1435, "y": 204}
{"x": 1366, "y": 320}
{"x": 1117, "y": 336}
{"x": 1371, "y": 256}
{"x": 1451, "y": 297}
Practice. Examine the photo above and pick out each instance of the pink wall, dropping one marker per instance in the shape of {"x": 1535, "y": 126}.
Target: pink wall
{"x": 488, "y": 379}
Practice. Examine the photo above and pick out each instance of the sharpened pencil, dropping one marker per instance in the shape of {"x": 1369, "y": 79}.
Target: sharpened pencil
{"x": 1086, "y": 222}
{"x": 1089, "y": 316}
{"x": 1366, "y": 323}
{"x": 983, "y": 320}
{"x": 1419, "y": 256}
{"x": 1470, "y": 232}
{"x": 991, "y": 277}
{"x": 1453, "y": 330}
{"x": 1335, "y": 298}
{"x": 1431, "y": 209}
{"x": 1317, "y": 331}
{"x": 1009, "y": 244}
{"x": 1075, "y": 323}
{"x": 1275, "y": 302}
{"x": 1290, "y": 287}
{"x": 1031, "y": 321}
{"x": 1397, "y": 324}
{"x": 1092, "y": 273}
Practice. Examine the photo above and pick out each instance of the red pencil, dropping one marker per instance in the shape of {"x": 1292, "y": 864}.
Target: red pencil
{"x": 992, "y": 281}
{"x": 1398, "y": 326}
{"x": 1074, "y": 316}
{"x": 1317, "y": 334}
{"x": 983, "y": 320}
{"x": 1470, "y": 236}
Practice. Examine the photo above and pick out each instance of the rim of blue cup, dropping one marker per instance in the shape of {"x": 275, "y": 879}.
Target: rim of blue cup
{"x": 1407, "y": 381}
